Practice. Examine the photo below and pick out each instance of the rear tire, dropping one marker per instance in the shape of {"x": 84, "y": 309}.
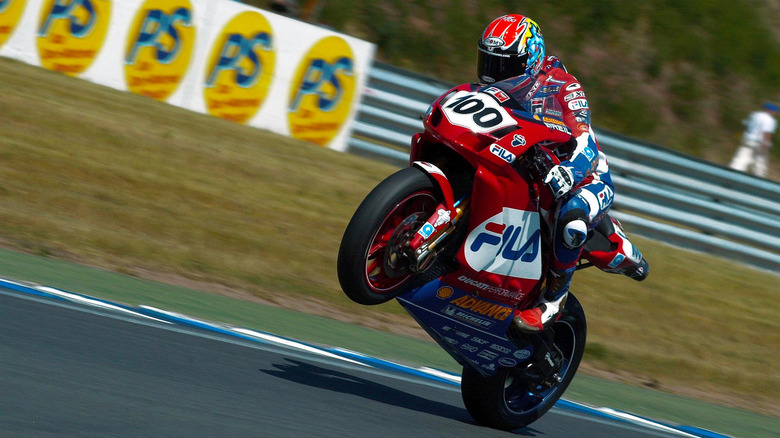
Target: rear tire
{"x": 372, "y": 265}
{"x": 508, "y": 400}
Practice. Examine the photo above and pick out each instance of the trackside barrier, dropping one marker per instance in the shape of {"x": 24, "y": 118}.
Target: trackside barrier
{"x": 661, "y": 194}
{"x": 218, "y": 57}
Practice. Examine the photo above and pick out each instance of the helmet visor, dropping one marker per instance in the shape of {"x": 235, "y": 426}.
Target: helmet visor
{"x": 493, "y": 68}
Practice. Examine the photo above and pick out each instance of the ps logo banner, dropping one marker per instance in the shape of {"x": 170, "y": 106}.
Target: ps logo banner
{"x": 159, "y": 47}
{"x": 240, "y": 68}
{"x": 71, "y": 33}
{"x": 10, "y": 12}
{"x": 322, "y": 91}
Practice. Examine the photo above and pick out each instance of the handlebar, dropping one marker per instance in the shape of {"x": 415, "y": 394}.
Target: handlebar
{"x": 538, "y": 161}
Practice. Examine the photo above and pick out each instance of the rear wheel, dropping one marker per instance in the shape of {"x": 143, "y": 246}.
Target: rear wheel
{"x": 516, "y": 397}
{"x": 373, "y": 266}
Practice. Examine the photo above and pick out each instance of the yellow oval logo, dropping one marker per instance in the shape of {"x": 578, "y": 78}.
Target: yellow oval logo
{"x": 322, "y": 91}
{"x": 10, "y": 12}
{"x": 159, "y": 47}
{"x": 240, "y": 68}
{"x": 71, "y": 33}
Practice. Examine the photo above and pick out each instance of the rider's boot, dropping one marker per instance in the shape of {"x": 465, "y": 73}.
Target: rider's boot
{"x": 639, "y": 271}
{"x": 609, "y": 249}
{"x": 549, "y": 307}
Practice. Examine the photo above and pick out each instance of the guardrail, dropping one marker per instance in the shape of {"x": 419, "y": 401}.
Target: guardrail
{"x": 660, "y": 194}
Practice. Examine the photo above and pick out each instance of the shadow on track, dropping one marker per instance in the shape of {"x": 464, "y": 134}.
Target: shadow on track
{"x": 323, "y": 378}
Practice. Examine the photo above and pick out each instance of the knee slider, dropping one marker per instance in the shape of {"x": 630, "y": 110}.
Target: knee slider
{"x": 575, "y": 233}
{"x": 573, "y": 227}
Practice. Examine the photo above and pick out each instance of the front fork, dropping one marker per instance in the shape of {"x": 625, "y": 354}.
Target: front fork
{"x": 427, "y": 241}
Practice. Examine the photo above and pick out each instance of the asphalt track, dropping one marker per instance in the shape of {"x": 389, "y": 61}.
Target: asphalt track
{"x": 68, "y": 370}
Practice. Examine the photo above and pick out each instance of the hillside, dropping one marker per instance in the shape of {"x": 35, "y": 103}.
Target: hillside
{"x": 679, "y": 74}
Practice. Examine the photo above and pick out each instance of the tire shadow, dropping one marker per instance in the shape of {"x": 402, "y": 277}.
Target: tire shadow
{"x": 324, "y": 378}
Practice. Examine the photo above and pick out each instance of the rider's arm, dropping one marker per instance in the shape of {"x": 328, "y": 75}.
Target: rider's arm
{"x": 584, "y": 157}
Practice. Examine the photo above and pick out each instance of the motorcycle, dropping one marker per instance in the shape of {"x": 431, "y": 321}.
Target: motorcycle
{"x": 462, "y": 238}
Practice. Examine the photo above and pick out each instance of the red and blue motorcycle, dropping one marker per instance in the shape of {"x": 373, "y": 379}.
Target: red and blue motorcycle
{"x": 462, "y": 238}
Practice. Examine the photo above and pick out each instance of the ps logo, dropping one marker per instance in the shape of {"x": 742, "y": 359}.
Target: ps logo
{"x": 240, "y": 68}
{"x": 321, "y": 76}
{"x": 238, "y": 48}
{"x": 322, "y": 91}
{"x": 156, "y": 28}
{"x": 71, "y": 33}
{"x": 79, "y": 13}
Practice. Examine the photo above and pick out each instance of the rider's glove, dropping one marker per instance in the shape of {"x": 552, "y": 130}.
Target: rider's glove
{"x": 560, "y": 180}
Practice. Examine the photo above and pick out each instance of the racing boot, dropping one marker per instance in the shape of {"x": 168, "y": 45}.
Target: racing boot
{"x": 549, "y": 307}
{"x": 638, "y": 272}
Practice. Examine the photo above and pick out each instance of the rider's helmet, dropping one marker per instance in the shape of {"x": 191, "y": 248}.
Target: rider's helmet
{"x": 511, "y": 45}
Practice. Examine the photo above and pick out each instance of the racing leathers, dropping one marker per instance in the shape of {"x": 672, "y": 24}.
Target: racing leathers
{"x": 581, "y": 182}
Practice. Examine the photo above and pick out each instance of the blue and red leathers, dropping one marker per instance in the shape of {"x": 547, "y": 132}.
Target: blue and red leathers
{"x": 581, "y": 182}
{"x": 557, "y": 97}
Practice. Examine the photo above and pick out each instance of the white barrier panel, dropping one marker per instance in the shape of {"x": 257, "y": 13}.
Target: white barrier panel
{"x": 216, "y": 57}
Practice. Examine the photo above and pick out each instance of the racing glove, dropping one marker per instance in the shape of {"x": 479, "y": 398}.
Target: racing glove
{"x": 560, "y": 180}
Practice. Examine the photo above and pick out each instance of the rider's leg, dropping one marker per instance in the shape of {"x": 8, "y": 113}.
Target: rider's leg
{"x": 578, "y": 212}
{"x": 610, "y": 250}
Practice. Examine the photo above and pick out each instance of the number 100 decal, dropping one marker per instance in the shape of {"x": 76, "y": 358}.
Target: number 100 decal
{"x": 478, "y": 112}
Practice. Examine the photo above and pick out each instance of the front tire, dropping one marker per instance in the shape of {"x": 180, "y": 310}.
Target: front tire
{"x": 372, "y": 264}
{"x": 509, "y": 400}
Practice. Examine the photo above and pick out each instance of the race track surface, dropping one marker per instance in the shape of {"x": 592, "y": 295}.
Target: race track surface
{"x": 68, "y": 370}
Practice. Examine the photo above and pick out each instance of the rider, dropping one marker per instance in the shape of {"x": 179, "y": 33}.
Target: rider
{"x": 512, "y": 47}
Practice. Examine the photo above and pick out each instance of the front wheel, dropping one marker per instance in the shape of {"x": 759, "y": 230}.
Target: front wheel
{"x": 513, "y": 398}
{"x": 373, "y": 266}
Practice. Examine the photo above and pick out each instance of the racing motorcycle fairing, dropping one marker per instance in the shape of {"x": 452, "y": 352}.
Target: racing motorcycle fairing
{"x": 471, "y": 329}
{"x": 503, "y": 248}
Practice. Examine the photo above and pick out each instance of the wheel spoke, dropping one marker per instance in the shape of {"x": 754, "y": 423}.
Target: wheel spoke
{"x": 373, "y": 268}
{"x": 380, "y": 256}
{"x": 385, "y": 235}
{"x": 375, "y": 250}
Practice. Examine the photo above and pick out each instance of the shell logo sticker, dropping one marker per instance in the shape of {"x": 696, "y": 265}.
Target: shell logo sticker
{"x": 322, "y": 91}
{"x": 159, "y": 47}
{"x": 240, "y": 68}
{"x": 10, "y": 12}
{"x": 71, "y": 33}
{"x": 444, "y": 292}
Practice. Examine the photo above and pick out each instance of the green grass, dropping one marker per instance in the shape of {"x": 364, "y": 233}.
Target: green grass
{"x": 126, "y": 184}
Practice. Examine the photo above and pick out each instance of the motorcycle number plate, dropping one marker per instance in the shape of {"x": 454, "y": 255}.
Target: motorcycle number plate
{"x": 478, "y": 112}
